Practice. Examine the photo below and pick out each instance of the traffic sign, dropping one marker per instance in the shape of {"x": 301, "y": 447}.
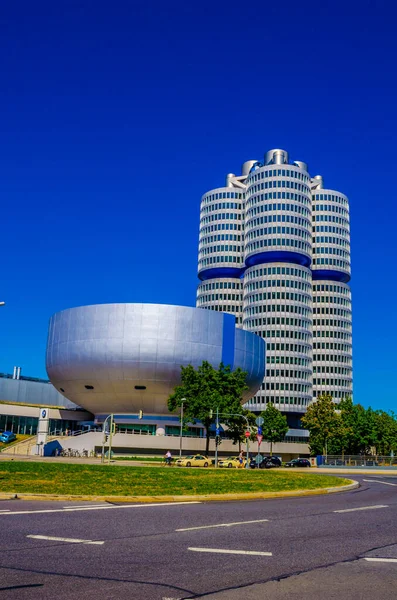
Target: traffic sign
{"x": 247, "y": 434}
{"x": 259, "y": 421}
{"x": 259, "y": 430}
{"x": 217, "y": 431}
{"x": 259, "y": 438}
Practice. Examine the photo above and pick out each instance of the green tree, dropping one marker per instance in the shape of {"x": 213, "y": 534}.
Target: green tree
{"x": 321, "y": 421}
{"x": 206, "y": 389}
{"x": 237, "y": 426}
{"x": 274, "y": 426}
{"x": 385, "y": 432}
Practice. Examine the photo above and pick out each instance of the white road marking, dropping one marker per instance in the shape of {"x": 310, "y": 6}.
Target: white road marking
{"x": 108, "y": 507}
{"x": 62, "y": 539}
{"x": 386, "y": 560}
{"x": 4, "y": 510}
{"x": 378, "y": 481}
{"x": 85, "y": 506}
{"x": 225, "y": 551}
{"x": 223, "y": 525}
{"x": 362, "y": 508}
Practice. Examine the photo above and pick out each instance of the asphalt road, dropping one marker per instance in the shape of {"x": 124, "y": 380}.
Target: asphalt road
{"x": 300, "y": 548}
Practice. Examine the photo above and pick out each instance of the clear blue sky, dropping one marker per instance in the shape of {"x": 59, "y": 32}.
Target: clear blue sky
{"x": 117, "y": 116}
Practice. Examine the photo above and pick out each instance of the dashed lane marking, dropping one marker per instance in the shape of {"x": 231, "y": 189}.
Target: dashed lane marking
{"x": 62, "y": 539}
{"x": 223, "y": 525}
{"x": 378, "y": 481}
{"x": 345, "y": 510}
{"x": 85, "y": 508}
{"x": 385, "y": 560}
{"x": 226, "y": 551}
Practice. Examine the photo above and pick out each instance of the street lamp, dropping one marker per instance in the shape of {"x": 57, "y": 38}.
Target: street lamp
{"x": 180, "y": 432}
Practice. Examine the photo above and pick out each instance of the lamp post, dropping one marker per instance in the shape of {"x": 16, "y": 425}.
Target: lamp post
{"x": 180, "y": 433}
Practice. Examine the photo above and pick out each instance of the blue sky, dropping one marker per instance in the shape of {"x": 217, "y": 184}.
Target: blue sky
{"x": 116, "y": 117}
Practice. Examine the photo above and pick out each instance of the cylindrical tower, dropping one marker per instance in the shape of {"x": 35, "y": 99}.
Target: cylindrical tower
{"x": 332, "y": 314}
{"x": 277, "y": 296}
{"x": 221, "y": 246}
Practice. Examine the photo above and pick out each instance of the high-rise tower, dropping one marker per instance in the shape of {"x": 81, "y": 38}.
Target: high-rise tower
{"x": 275, "y": 251}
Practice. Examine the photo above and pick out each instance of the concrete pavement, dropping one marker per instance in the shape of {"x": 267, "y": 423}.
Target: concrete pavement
{"x": 313, "y": 547}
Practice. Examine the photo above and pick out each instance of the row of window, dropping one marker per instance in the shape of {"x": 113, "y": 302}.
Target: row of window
{"x": 336, "y": 394}
{"x": 257, "y": 221}
{"x": 285, "y": 334}
{"x": 331, "y": 208}
{"x": 221, "y": 227}
{"x": 301, "y": 348}
{"x": 331, "y": 219}
{"x": 234, "y": 308}
{"x": 220, "y": 237}
{"x": 288, "y": 387}
{"x": 332, "y": 251}
{"x": 286, "y": 373}
{"x": 332, "y": 346}
{"x": 212, "y": 260}
{"x": 328, "y": 369}
{"x": 220, "y": 206}
{"x": 255, "y": 310}
{"x": 344, "y": 231}
{"x": 279, "y": 242}
{"x": 325, "y": 239}
{"x": 207, "y": 198}
{"x": 330, "y": 287}
{"x": 331, "y": 198}
{"x": 260, "y": 297}
{"x": 266, "y": 172}
{"x": 285, "y": 308}
{"x": 335, "y": 382}
{"x": 281, "y": 400}
{"x": 293, "y": 322}
{"x": 332, "y": 262}
{"x": 332, "y": 323}
{"x": 254, "y": 233}
{"x": 292, "y": 271}
{"x": 220, "y": 285}
{"x": 339, "y": 335}
{"x": 340, "y": 312}
{"x": 253, "y": 210}
{"x": 279, "y": 183}
{"x": 220, "y": 216}
{"x": 215, "y": 297}
{"x": 288, "y": 360}
{"x": 220, "y": 248}
{"x": 280, "y": 283}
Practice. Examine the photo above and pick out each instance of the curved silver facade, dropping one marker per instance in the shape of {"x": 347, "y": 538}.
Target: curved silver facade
{"x": 123, "y": 358}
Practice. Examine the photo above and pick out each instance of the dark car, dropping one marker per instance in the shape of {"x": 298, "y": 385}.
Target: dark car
{"x": 265, "y": 462}
{"x": 298, "y": 462}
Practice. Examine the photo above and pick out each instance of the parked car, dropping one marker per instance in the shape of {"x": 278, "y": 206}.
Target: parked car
{"x": 265, "y": 462}
{"x": 193, "y": 460}
{"x": 7, "y": 436}
{"x": 298, "y": 462}
{"x": 230, "y": 462}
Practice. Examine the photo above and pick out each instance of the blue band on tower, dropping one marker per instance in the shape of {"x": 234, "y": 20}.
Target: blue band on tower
{"x": 278, "y": 256}
{"x": 331, "y": 275}
{"x": 220, "y": 272}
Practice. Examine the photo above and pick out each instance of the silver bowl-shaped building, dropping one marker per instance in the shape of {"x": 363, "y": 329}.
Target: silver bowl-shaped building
{"x": 122, "y": 358}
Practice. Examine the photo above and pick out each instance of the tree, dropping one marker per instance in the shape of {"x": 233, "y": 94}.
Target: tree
{"x": 274, "y": 426}
{"x": 385, "y": 432}
{"x": 321, "y": 421}
{"x": 206, "y": 389}
{"x": 237, "y": 426}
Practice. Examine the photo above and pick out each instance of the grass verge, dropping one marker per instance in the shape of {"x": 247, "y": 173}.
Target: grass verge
{"x": 73, "y": 479}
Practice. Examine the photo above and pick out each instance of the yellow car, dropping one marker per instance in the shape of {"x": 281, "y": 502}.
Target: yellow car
{"x": 230, "y": 462}
{"x": 193, "y": 460}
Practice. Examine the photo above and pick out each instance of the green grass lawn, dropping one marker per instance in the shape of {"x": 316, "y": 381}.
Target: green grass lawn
{"x": 103, "y": 480}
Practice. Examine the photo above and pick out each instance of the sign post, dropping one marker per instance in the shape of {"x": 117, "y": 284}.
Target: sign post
{"x": 259, "y": 421}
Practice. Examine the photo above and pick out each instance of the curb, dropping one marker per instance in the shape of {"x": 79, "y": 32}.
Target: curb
{"x": 190, "y": 498}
